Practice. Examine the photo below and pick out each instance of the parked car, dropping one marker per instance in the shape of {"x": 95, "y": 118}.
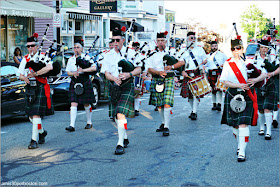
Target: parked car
{"x": 251, "y": 50}
{"x": 12, "y": 91}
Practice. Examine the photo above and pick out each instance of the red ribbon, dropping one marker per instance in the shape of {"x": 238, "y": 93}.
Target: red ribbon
{"x": 46, "y": 88}
{"x": 253, "y": 97}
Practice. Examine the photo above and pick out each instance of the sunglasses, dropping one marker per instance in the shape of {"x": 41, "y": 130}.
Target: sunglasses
{"x": 117, "y": 40}
{"x": 233, "y": 48}
{"x": 33, "y": 45}
{"x": 192, "y": 37}
{"x": 76, "y": 47}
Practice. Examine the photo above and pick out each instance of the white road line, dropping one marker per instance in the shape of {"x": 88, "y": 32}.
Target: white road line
{"x": 2, "y": 132}
{"x": 80, "y": 113}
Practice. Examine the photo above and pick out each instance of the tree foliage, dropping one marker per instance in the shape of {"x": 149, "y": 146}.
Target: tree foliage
{"x": 252, "y": 16}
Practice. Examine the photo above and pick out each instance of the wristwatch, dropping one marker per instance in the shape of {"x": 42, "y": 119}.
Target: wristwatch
{"x": 172, "y": 67}
{"x": 36, "y": 74}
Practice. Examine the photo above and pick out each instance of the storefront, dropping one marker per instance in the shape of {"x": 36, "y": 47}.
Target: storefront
{"x": 17, "y": 23}
{"x": 77, "y": 25}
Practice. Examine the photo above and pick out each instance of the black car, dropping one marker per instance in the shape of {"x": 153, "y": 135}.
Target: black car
{"x": 12, "y": 91}
{"x": 251, "y": 50}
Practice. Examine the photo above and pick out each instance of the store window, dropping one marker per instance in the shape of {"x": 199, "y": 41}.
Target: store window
{"x": 3, "y": 38}
{"x": 17, "y": 34}
{"x": 78, "y": 26}
{"x": 88, "y": 26}
{"x": 68, "y": 42}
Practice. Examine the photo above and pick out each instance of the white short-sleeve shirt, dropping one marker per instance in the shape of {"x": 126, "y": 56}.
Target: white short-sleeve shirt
{"x": 199, "y": 55}
{"x": 220, "y": 60}
{"x": 156, "y": 61}
{"x": 71, "y": 64}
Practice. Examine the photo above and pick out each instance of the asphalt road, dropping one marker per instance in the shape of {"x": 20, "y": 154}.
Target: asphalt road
{"x": 197, "y": 153}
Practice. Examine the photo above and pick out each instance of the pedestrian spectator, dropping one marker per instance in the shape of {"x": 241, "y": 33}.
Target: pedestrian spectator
{"x": 17, "y": 55}
{"x": 147, "y": 81}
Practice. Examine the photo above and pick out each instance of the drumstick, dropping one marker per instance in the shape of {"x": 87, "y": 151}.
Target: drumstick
{"x": 189, "y": 77}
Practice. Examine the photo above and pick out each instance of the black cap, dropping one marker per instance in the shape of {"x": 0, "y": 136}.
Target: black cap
{"x": 214, "y": 42}
{"x": 33, "y": 38}
{"x": 236, "y": 42}
{"x": 119, "y": 32}
{"x": 135, "y": 44}
{"x": 162, "y": 34}
{"x": 264, "y": 42}
{"x": 190, "y": 33}
{"x": 80, "y": 41}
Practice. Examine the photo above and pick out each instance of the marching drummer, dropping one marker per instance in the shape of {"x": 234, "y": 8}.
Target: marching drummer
{"x": 192, "y": 60}
{"x": 121, "y": 86}
{"x": 214, "y": 64}
{"x": 163, "y": 98}
{"x": 81, "y": 92}
{"x": 240, "y": 104}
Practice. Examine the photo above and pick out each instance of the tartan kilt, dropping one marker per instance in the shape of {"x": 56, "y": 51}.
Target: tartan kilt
{"x": 212, "y": 79}
{"x": 106, "y": 87}
{"x": 185, "y": 91}
{"x": 165, "y": 97}
{"x": 125, "y": 104}
{"x": 39, "y": 106}
{"x": 234, "y": 119}
{"x": 86, "y": 98}
{"x": 271, "y": 95}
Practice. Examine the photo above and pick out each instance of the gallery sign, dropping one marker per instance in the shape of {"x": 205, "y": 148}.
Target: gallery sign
{"x": 103, "y": 6}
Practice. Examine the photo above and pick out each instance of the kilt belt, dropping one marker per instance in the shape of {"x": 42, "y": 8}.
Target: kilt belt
{"x": 185, "y": 91}
{"x": 87, "y": 97}
{"x": 165, "y": 97}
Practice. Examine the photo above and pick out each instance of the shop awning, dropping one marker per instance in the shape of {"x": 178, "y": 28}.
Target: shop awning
{"x": 26, "y": 9}
{"x": 119, "y": 24}
{"x": 136, "y": 27}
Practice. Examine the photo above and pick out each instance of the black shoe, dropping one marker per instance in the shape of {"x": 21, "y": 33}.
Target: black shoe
{"x": 194, "y": 116}
{"x": 42, "y": 137}
{"x": 275, "y": 123}
{"x": 119, "y": 150}
{"x": 165, "y": 132}
{"x": 88, "y": 126}
{"x": 261, "y": 132}
{"x": 70, "y": 128}
{"x": 241, "y": 158}
{"x": 136, "y": 113}
{"x": 125, "y": 143}
{"x": 219, "y": 107}
{"x": 33, "y": 144}
{"x": 214, "y": 106}
{"x": 156, "y": 109}
{"x": 190, "y": 116}
{"x": 160, "y": 129}
{"x": 267, "y": 137}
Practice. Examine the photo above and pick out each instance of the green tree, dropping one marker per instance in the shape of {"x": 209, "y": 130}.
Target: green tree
{"x": 253, "y": 22}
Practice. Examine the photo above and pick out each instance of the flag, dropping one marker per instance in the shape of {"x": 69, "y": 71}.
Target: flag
{"x": 69, "y": 3}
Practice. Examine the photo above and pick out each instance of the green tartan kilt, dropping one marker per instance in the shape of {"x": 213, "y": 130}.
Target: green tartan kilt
{"x": 125, "y": 104}
{"x": 165, "y": 97}
{"x": 271, "y": 95}
{"x": 234, "y": 119}
{"x": 37, "y": 106}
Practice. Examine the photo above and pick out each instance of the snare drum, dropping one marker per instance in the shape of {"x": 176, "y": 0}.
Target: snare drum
{"x": 199, "y": 86}
{"x": 220, "y": 86}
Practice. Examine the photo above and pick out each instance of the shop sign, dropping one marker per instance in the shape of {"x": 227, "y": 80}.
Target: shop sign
{"x": 103, "y": 6}
{"x": 24, "y": 13}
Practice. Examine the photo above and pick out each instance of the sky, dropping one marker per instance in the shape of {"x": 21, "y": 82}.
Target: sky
{"x": 214, "y": 13}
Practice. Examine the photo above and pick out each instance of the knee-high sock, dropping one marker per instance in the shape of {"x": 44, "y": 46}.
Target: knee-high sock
{"x": 30, "y": 119}
{"x": 236, "y": 136}
{"x": 88, "y": 110}
{"x": 166, "y": 117}
{"x": 275, "y": 115}
{"x": 137, "y": 103}
{"x": 195, "y": 104}
{"x": 36, "y": 128}
{"x": 268, "y": 121}
{"x": 122, "y": 126}
{"x": 161, "y": 113}
{"x": 191, "y": 103}
{"x": 219, "y": 97}
{"x": 261, "y": 120}
{"x": 244, "y": 134}
{"x": 213, "y": 98}
{"x": 125, "y": 135}
{"x": 73, "y": 115}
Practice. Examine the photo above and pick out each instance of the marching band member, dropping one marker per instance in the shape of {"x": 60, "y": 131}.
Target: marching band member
{"x": 80, "y": 91}
{"x": 240, "y": 104}
{"x": 268, "y": 95}
{"x": 163, "y": 99}
{"x": 193, "y": 59}
{"x": 214, "y": 66}
{"x": 121, "y": 87}
{"x": 38, "y": 98}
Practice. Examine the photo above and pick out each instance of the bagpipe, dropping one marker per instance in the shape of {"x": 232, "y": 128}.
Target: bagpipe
{"x": 83, "y": 63}
{"x": 43, "y": 59}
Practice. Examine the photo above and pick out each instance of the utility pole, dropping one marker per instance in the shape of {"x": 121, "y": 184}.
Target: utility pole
{"x": 58, "y": 28}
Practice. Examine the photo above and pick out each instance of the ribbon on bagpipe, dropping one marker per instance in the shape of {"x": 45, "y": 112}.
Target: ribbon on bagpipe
{"x": 128, "y": 34}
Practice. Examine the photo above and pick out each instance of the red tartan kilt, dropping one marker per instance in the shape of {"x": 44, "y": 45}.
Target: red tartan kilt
{"x": 185, "y": 91}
